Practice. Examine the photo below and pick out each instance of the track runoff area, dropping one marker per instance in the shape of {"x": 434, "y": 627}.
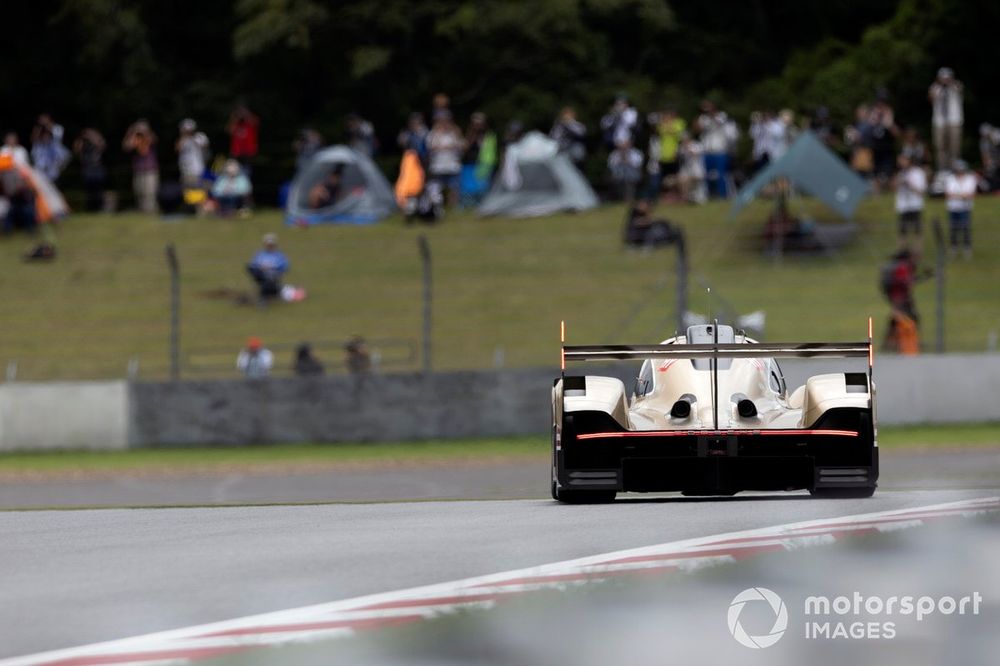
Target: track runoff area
{"x": 371, "y": 613}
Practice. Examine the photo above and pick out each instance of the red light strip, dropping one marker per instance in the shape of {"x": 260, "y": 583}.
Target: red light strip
{"x": 714, "y": 433}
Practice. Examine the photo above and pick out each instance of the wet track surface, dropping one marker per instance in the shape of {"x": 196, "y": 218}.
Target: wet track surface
{"x": 74, "y": 577}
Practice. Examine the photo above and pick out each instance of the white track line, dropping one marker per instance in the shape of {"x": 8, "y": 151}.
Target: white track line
{"x": 342, "y": 618}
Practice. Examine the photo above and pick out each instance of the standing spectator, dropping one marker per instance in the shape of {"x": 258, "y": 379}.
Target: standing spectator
{"x": 244, "y": 130}
{"x": 192, "y": 148}
{"x": 45, "y": 122}
{"x": 989, "y": 152}
{"x": 960, "y": 192}
{"x": 883, "y": 138}
{"x": 717, "y": 135}
{"x": 89, "y": 148}
{"x": 478, "y": 159}
{"x": 898, "y": 279}
{"x": 48, "y": 155}
{"x": 625, "y": 166}
{"x": 267, "y": 267}
{"x": 654, "y": 177}
{"x": 361, "y": 135}
{"x": 859, "y": 137}
{"x": 670, "y": 129}
{"x": 231, "y": 190}
{"x": 444, "y": 156}
{"x": 947, "y": 117}
{"x": 308, "y": 143}
{"x": 255, "y": 360}
{"x": 913, "y": 148}
{"x": 570, "y": 134}
{"x": 306, "y": 364}
{"x": 911, "y": 185}
{"x": 822, "y": 126}
{"x": 414, "y": 136}
{"x": 12, "y": 146}
{"x": 619, "y": 123}
{"x": 140, "y": 141}
{"x": 692, "y": 172}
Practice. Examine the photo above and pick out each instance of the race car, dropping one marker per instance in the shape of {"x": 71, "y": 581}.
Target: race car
{"x": 710, "y": 414}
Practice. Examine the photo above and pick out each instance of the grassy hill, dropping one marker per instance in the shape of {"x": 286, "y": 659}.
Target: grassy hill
{"x": 501, "y": 287}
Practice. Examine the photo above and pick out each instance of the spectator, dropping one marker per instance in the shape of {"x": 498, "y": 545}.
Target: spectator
{"x": 361, "y": 135}
{"x": 947, "y": 117}
{"x": 46, "y": 123}
{"x": 625, "y": 166}
{"x": 570, "y": 134}
{"x": 192, "y": 148}
{"x": 328, "y": 191}
{"x": 244, "y": 130}
{"x": 267, "y": 267}
{"x": 306, "y": 364}
{"x": 89, "y": 147}
{"x": 440, "y": 102}
{"x": 357, "y": 358}
{"x": 718, "y": 135}
{"x": 232, "y": 189}
{"x": 414, "y": 136}
{"x": 478, "y": 159}
{"x": 769, "y": 134}
{"x": 911, "y": 185}
{"x": 670, "y": 129}
{"x": 255, "y": 360}
{"x": 913, "y": 148}
{"x": 692, "y": 172}
{"x": 822, "y": 126}
{"x": 48, "y": 155}
{"x": 140, "y": 141}
{"x": 960, "y": 193}
{"x": 858, "y": 136}
{"x": 12, "y": 146}
{"x": 898, "y": 279}
{"x": 641, "y": 230}
{"x": 989, "y": 152}
{"x": 20, "y": 197}
{"x": 619, "y": 123}
{"x": 308, "y": 143}
{"x": 444, "y": 156}
{"x": 654, "y": 178}
{"x": 883, "y": 138}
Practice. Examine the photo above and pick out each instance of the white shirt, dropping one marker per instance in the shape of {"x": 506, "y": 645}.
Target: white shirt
{"x": 910, "y": 190}
{"x": 191, "y": 154}
{"x": 255, "y": 365}
{"x": 716, "y": 132}
{"x": 956, "y": 186}
{"x": 947, "y": 104}
{"x": 17, "y": 153}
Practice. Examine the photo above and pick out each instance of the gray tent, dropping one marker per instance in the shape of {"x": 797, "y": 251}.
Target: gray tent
{"x": 365, "y": 196}
{"x": 536, "y": 179}
{"x": 812, "y": 168}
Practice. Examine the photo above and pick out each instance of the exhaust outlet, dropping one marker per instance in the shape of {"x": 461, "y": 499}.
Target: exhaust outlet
{"x": 682, "y": 408}
{"x": 744, "y": 406}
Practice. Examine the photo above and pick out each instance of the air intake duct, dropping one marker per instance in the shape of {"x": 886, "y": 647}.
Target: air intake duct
{"x": 682, "y": 408}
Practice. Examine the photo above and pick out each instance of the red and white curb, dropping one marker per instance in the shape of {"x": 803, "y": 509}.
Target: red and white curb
{"x": 343, "y": 618}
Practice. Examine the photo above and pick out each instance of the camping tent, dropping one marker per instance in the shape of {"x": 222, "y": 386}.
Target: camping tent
{"x": 536, "y": 179}
{"x": 365, "y": 195}
{"x": 49, "y": 202}
{"x": 813, "y": 168}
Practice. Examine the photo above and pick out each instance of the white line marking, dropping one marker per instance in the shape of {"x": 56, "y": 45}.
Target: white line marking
{"x": 342, "y": 618}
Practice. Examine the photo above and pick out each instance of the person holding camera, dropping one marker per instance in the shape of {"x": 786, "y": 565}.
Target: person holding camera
{"x": 945, "y": 95}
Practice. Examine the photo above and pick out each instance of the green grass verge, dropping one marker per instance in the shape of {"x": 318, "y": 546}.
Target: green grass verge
{"x": 428, "y": 452}
{"x": 501, "y": 286}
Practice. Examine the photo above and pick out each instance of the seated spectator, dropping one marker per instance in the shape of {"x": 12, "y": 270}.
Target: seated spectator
{"x": 357, "y": 358}
{"x": 328, "y": 191}
{"x": 307, "y": 365}
{"x": 20, "y": 198}
{"x": 255, "y": 360}
{"x": 231, "y": 190}
{"x": 625, "y": 165}
{"x": 267, "y": 268}
{"x": 641, "y": 230}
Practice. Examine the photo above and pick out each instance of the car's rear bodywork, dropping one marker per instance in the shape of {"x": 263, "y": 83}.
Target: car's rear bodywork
{"x": 710, "y": 414}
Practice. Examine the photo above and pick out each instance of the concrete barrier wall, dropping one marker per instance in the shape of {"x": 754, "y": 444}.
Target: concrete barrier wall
{"x": 927, "y": 389}
{"x": 57, "y": 415}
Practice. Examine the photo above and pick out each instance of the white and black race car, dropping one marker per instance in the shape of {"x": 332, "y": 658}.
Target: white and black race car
{"x": 711, "y": 415}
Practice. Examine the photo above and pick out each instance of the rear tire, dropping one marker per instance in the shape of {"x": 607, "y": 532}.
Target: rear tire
{"x": 843, "y": 493}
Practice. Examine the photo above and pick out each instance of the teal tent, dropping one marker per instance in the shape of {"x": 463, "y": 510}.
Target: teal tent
{"x": 814, "y": 169}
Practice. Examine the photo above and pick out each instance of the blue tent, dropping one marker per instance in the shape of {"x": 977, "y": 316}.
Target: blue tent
{"x": 814, "y": 169}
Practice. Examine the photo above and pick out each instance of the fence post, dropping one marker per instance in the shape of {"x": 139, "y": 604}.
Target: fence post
{"x": 939, "y": 269}
{"x": 682, "y": 281}
{"x": 175, "y": 312}
{"x": 425, "y": 255}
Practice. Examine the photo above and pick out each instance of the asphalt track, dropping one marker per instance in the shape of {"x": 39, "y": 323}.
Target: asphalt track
{"x": 75, "y": 577}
